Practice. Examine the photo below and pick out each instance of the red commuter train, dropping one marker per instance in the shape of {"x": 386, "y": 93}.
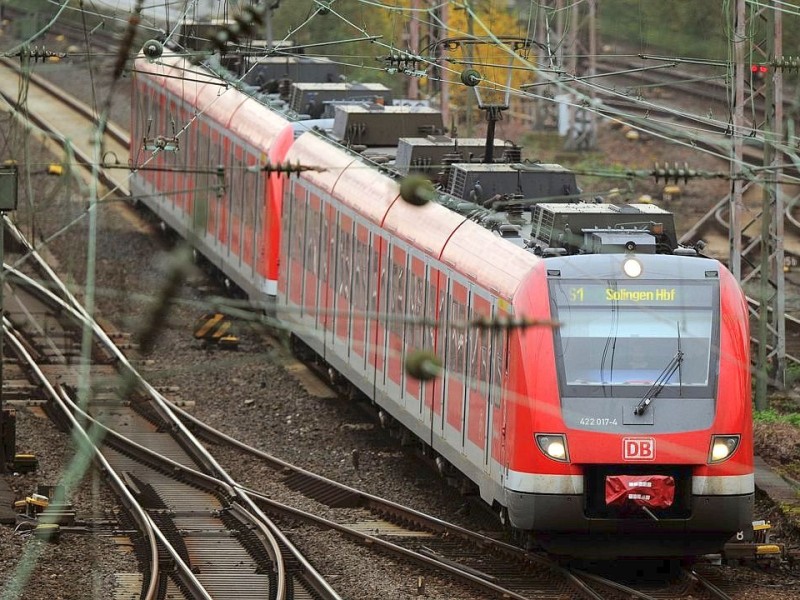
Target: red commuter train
{"x": 624, "y": 431}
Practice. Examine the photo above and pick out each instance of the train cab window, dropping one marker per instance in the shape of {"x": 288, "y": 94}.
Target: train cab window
{"x": 613, "y": 339}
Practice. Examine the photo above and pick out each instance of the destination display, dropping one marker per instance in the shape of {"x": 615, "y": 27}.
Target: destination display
{"x": 626, "y": 294}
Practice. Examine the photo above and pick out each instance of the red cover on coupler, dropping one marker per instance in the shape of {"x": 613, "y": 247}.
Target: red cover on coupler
{"x": 652, "y": 491}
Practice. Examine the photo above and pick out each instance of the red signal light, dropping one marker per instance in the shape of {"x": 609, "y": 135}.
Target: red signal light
{"x": 758, "y": 68}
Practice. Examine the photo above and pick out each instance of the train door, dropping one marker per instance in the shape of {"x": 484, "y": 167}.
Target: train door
{"x": 432, "y": 390}
{"x": 343, "y": 286}
{"x": 215, "y": 191}
{"x": 360, "y": 297}
{"x": 327, "y": 267}
{"x": 236, "y": 193}
{"x": 497, "y": 400}
{"x": 172, "y": 160}
{"x": 255, "y": 184}
{"x": 182, "y": 157}
{"x": 310, "y": 310}
{"x": 443, "y": 310}
{"x": 477, "y": 378}
{"x": 158, "y": 164}
{"x": 251, "y": 184}
{"x": 223, "y": 203}
{"x": 395, "y": 321}
{"x": 377, "y": 305}
{"x": 189, "y": 149}
{"x": 455, "y": 364}
{"x": 202, "y": 188}
{"x": 414, "y": 332}
{"x": 192, "y": 144}
{"x": 290, "y": 282}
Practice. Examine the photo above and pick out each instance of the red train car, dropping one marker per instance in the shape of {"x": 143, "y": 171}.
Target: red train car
{"x": 544, "y": 422}
{"x": 626, "y": 430}
{"x": 199, "y": 147}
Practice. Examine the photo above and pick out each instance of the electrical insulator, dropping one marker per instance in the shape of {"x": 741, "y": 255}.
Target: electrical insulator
{"x": 470, "y": 77}
{"x": 152, "y": 49}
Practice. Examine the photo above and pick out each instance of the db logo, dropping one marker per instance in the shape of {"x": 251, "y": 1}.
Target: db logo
{"x": 638, "y": 448}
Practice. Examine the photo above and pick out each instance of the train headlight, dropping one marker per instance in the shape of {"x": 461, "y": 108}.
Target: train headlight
{"x": 632, "y": 267}
{"x": 722, "y": 447}
{"x": 553, "y": 445}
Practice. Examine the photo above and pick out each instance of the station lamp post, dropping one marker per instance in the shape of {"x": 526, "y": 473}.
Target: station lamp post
{"x": 8, "y": 201}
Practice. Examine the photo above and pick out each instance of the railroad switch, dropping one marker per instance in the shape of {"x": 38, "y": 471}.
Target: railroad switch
{"x": 25, "y": 463}
{"x": 215, "y": 328}
{"x": 39, "y": 506}
{"x": 47, "y": 531}
{"x": 32, "y": 506}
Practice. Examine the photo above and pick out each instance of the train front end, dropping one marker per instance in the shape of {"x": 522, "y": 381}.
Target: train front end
{"x": 647, "y": 429}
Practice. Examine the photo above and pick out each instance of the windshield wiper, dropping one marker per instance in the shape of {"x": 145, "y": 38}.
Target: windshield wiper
{"x": 659, "y": 383}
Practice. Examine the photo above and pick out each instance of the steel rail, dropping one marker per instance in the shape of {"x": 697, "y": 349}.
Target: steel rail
{"x": 137, "y": 513}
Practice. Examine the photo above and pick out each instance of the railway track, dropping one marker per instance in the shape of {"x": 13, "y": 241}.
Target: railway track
{"x": 482, "y": 560}
{"x": 199, "y": 534}
{"x": 70, "y": 124}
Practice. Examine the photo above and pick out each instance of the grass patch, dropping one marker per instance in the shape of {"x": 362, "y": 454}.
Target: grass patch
{"x": 773, "y": 416}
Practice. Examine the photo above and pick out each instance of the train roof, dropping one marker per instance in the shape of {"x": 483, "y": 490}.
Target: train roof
{"x": 361, "y": 188}
{"x": 465, "y": 246}
{"x": 253, "y": 122}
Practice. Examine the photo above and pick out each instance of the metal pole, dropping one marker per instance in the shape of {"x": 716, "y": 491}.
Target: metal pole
{"x": 771, "y": 318}
{"x": 413, "y": 82}
{"x": 468, "y": 56}
{"x": 737, "y": 127}
{"x": 445, "y": 85}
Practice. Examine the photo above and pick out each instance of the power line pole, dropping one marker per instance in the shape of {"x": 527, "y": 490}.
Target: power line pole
{"x": 439, "y": 13}
{"x": 771, "y": 313}
{"x": 468, "y": 105}
{"x": 546, "y": 34}
{"x": 738, "y": 126}
{"x": 413, "y": 43}
{"x": 582, "y": 42}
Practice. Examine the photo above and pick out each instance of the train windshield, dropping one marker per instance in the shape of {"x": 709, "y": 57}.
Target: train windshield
{"x": 614, "y": 336}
